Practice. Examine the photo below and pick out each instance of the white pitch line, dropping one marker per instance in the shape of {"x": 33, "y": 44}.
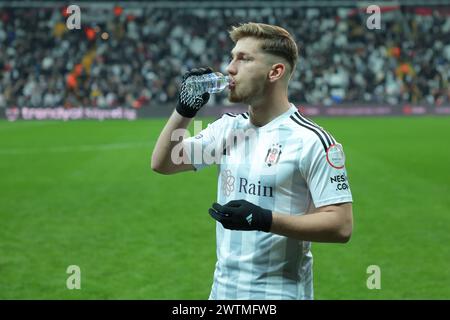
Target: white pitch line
{"x": 81, "y": 148}
{"x": 24, "y": 125}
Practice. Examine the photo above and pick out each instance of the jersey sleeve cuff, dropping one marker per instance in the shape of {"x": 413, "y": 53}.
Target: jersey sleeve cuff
{"x": 331, "y": 201}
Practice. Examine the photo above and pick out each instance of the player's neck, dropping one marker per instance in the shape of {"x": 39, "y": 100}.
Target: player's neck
{"x": 268, "y": 109}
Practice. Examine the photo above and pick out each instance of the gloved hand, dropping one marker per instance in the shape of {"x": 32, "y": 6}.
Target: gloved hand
{"x": 188, "y": 105}
{"x": 242, "y": 215}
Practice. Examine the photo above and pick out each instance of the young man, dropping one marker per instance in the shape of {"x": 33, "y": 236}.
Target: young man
{"x": 282, "y": 181}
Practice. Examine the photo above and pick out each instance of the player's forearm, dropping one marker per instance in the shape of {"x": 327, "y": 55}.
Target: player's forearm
{"x": 332, "y": 225}
{"x": 161, "y": 156}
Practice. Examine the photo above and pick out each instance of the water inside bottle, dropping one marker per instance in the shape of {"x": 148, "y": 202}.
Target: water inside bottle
{"x": 219, "y": 84}
{"x": 212, "y": 83}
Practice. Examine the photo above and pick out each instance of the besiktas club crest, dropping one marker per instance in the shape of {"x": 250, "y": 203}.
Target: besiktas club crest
{"x": 273, "y": 154}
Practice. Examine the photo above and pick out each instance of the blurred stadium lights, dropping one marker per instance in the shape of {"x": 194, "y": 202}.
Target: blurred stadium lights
{"x": 221, "y": 3}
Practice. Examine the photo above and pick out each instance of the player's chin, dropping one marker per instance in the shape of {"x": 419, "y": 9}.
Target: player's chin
{"x": 233, "y": 97}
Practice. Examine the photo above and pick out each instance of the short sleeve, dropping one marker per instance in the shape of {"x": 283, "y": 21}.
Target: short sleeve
{"x": 202, "y": 149}
{"x": 325, "y": 173}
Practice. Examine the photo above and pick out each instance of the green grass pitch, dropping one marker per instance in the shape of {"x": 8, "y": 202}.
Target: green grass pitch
{"x": 82, "y": 193}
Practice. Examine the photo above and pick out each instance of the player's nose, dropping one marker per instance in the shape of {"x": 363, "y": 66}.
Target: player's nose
{"x": 231, "y": 68}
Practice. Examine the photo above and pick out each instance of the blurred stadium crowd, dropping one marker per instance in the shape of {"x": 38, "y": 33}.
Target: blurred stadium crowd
{"x": 135, "y": 58}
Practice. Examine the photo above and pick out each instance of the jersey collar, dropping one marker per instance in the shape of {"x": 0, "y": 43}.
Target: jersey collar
{"x": 276, "y": 120}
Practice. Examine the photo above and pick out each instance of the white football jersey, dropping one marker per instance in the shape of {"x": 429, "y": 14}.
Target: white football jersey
{"x": 290, "y": 166}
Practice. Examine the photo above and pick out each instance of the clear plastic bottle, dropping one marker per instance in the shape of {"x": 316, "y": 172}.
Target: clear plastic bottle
{"x": 210, "y": 82}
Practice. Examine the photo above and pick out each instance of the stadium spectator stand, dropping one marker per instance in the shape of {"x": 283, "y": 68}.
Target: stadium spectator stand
{"x": 135, "y": 57}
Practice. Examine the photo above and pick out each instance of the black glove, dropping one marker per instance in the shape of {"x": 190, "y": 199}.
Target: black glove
{"x": 188, "y": 105}
{"x": 242, "y": 215}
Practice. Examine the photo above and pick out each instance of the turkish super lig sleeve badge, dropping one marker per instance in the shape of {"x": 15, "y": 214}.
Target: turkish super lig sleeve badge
{"x": 336, "y": 156}
{"x": 273, "y": 154}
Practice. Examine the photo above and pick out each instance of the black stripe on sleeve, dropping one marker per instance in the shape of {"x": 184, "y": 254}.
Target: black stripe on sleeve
{"x": 332, "y": 139}
{"x": 313, "y": 130}
{"x": 317, "y": 126}
{"x": 231, "y": 114}
{"x": 307, "y": 122}
{"x": 244, "y": 115}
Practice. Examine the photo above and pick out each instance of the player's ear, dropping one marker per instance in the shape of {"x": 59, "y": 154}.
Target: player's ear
{"x": 276, "y": 72}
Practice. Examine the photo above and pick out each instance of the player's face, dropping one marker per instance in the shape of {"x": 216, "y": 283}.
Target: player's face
{"x": 248, "y": 69}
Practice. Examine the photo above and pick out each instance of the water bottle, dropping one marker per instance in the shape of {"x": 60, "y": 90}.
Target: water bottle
{"x": 210, "y": 82}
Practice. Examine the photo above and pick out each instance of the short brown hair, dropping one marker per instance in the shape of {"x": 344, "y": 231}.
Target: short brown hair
{"x": 276, "y": 40}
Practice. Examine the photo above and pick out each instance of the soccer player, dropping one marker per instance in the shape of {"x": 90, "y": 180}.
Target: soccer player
{"x": 282, "y": 180}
